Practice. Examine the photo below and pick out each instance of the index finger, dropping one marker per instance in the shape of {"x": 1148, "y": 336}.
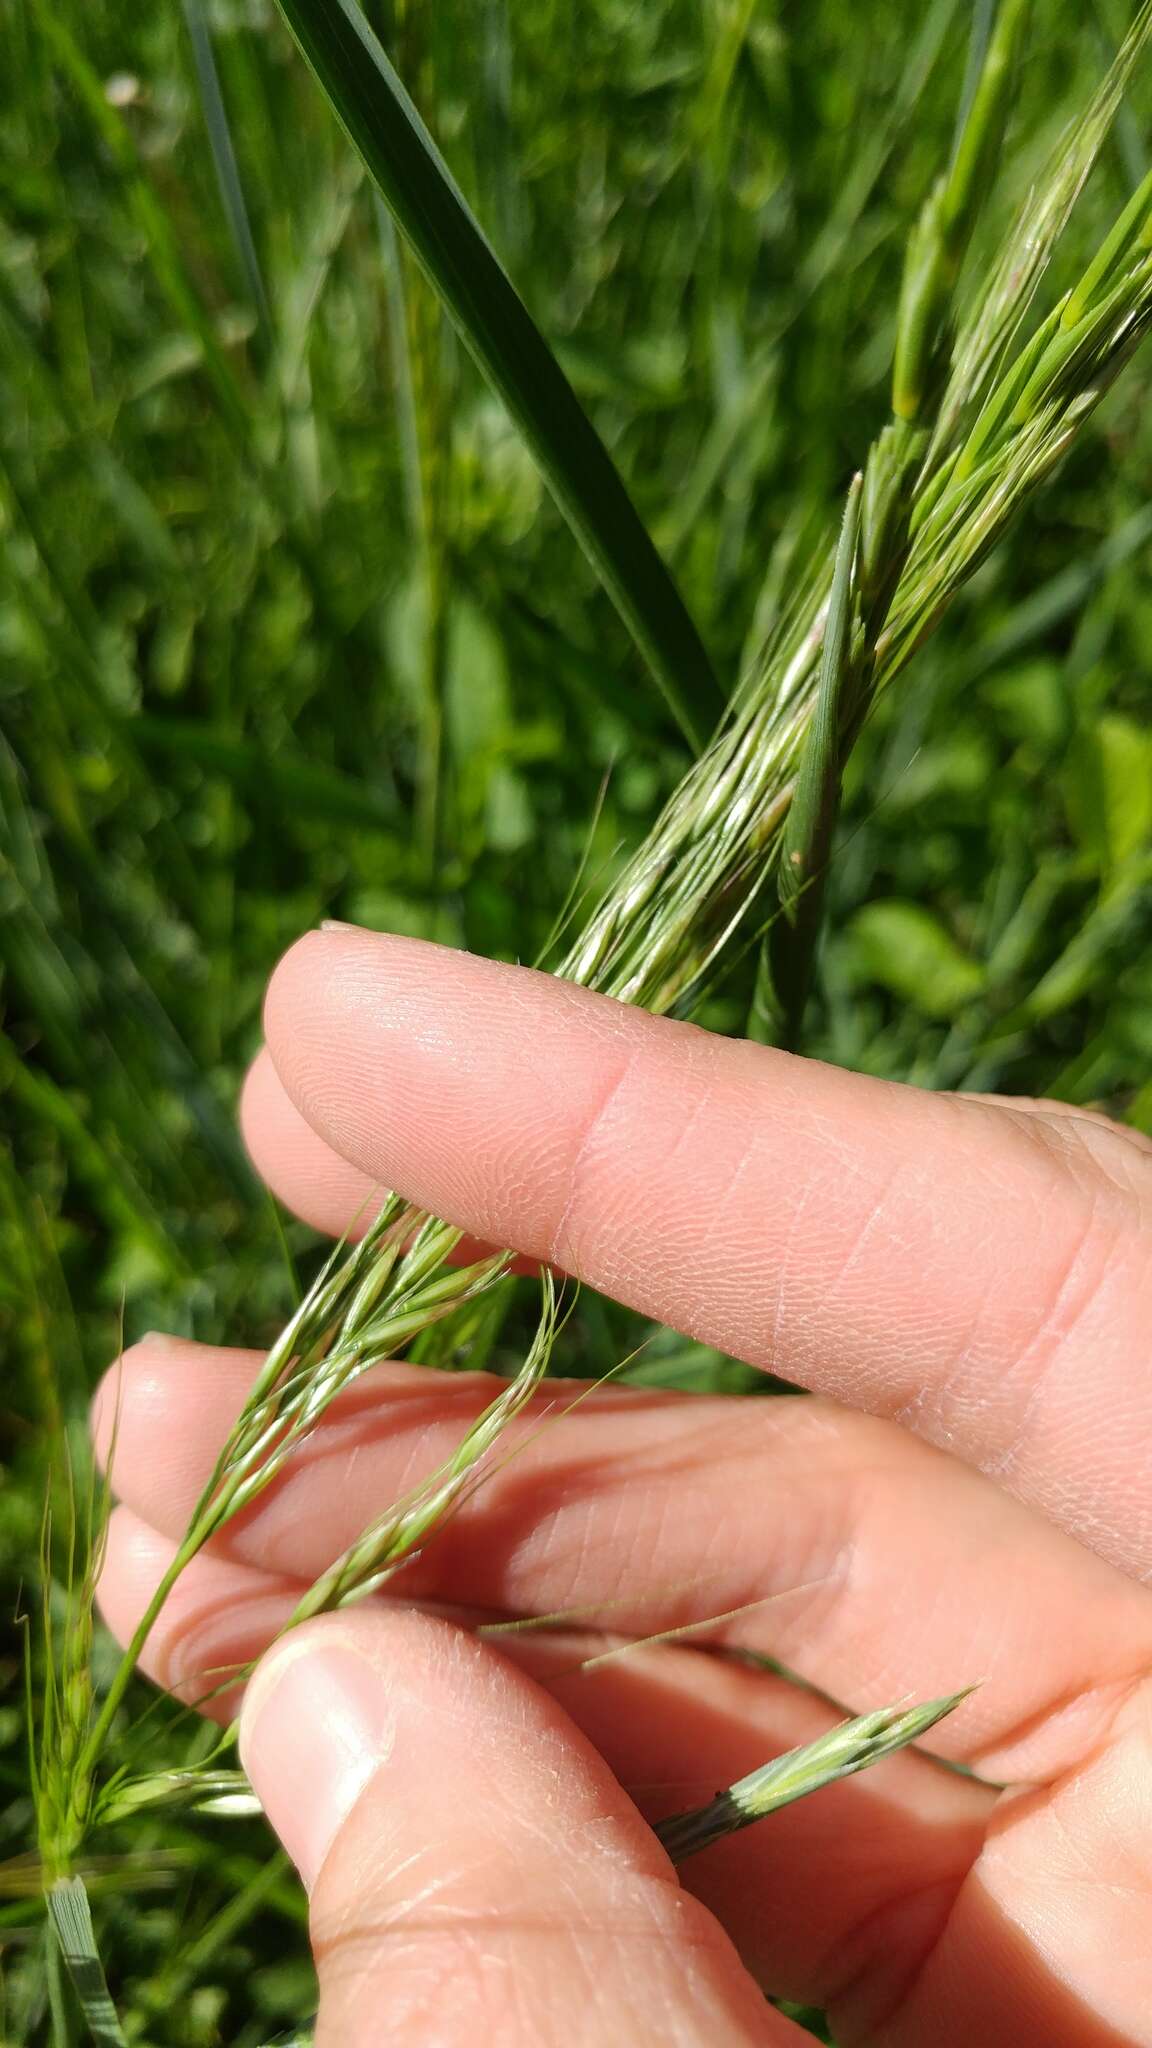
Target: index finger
{"x": 977, "y": 1273}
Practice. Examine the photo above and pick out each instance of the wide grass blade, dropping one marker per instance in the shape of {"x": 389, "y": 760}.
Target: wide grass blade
{"x": 382, "y": 123}
{"x": 72, "y": 1921}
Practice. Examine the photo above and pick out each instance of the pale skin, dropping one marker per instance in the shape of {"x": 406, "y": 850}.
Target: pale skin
{"x": 966, "y": 1288}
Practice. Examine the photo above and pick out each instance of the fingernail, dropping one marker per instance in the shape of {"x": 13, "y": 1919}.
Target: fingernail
{"x": 315, "y": 1727}
{"x": 336, "y": 924}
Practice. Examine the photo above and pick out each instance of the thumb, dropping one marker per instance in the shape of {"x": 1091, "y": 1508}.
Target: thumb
{"x": 476, "y": 1872}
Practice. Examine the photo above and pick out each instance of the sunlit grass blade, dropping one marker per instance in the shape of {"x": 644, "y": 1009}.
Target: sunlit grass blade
{"x": 72, "y": 1920}
{"x": 854, "y": 1746}
{"x": 1003, "y": 303}
{"x": 224, "y": 156}
{"x": 937, "y": 245}
{"x": 983, "y": 14}
{"x": 373, "y": 107}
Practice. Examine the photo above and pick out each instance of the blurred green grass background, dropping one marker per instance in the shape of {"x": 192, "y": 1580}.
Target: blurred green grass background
{"x": 289, "y": 629}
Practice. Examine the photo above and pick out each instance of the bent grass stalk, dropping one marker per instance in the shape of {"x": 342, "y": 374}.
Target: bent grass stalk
{"x": 941, "y": 483}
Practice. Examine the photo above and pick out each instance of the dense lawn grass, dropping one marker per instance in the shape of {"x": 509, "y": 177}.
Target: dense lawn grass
{"x": 289, "y": 629}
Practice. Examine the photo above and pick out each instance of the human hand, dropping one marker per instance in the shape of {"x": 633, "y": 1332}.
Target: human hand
{"x": 965, "y": 1285}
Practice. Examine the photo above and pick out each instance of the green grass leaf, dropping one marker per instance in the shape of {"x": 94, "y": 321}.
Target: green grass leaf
{"x": 908, "y": 951}
{"x": 384, "y": 126}
{"x": 72, "y": 1920}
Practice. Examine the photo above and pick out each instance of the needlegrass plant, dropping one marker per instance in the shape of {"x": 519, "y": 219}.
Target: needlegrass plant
{"x": 265, "y": 520}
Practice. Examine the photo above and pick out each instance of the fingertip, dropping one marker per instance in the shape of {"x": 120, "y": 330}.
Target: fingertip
{"x": 299, "y": 981}
{"x": 304, "y": 1173}
{"x": 316, "y": 1725}
{"x": 159, "y": 1413}
{"x": 317, "y": 969}
{"x": 216, "y": 1619}
{"x": 256, "y": 1098}
{"x": 316, "y": 991}
{"x": 135, "y": 1375}
{"x": 455, "y": 1829}
{"x": 460, "y": 1082}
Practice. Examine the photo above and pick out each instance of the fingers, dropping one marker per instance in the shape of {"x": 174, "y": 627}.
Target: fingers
{"x": 966, "y": 1268}
{"x": 673, "y": 1725}
{"x": 895, "y": 1899}
{"x": 307, "y": 1175}
{"x": 869, "y": 1562}
{"x": 475, "y": 1871}
{"x": 216, "y": 1621}
{"x": 1048, "y": 1939}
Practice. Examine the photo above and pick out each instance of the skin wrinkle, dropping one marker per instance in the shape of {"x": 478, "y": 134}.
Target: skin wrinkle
{"x": 1086, "y": 1122}
{"x": 788, "y": 1310}
{"x": 934, "y": 1410}
{"x": 1076, "y": 1294}
{"x": 702, "y": 1111}
{"x": 930, "y": 1406}
{"x": 1091, "y": 1147}
{"x": 1079, "y": 1867}
{"x": 645, "y": 1920}
{"x": 865, "y": 1229}
{"x": 1006, "y": 1428}
{"x": 597, "y": 1228}
{"x": 472, "y": 1958}
{"x": 850, "y": 1968}
{"x": 558, "y": 1234}
{"x": 878, "y": 1216}
{"x": 781, "y": 1274}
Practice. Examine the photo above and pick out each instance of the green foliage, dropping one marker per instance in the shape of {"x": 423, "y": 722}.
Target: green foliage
{"x": 290, "y": 630}
{"x": 907, "y": 950}
{"x": 385, "y": 128}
